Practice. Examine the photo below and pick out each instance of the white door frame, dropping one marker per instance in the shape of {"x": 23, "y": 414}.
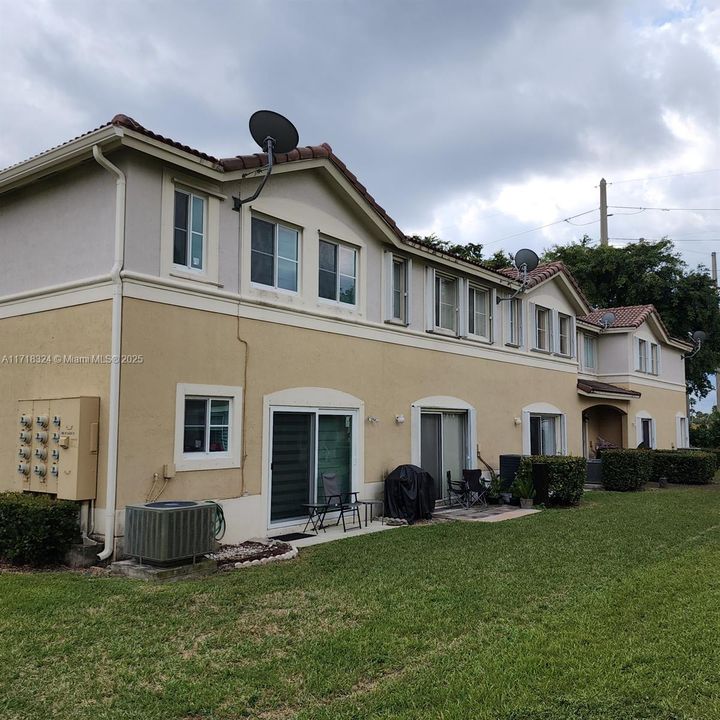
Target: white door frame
{"x": 439, "y": 403}
{"x": 325, "y": 401}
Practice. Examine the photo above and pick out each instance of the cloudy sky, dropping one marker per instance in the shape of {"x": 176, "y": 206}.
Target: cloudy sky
{"x": 478, "y": 121}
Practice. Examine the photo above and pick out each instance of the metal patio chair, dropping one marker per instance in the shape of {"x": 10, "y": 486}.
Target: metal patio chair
{"x": 340, "y": 501}
{"x": 457, "y": 490}
{"x": 476, "y": 488}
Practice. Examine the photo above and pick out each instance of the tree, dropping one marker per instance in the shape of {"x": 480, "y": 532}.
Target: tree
{"x": 705, "y": 429}
{"x": 471, "y": 252}
{"x": 652, "y": 272}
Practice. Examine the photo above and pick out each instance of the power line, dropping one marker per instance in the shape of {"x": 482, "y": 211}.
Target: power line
{"x": 542, "y": 227}
{"x": 672, "y": 239}
{"x": 663, "y": 209}
{"x": 662, "y": 177}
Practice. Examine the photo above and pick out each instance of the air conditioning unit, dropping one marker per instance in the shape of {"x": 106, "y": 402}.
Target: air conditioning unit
{"x": 161, "y": 533}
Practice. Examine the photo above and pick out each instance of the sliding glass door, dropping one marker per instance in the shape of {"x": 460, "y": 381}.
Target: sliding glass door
{"x": 306, "y": 445}
{"x": 443, "y": 438}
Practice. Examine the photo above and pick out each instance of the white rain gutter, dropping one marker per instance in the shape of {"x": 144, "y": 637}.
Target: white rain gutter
{"x": 116, "y": 331}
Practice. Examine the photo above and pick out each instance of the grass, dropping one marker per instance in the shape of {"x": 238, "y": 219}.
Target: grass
{"x": 610, "y": 610}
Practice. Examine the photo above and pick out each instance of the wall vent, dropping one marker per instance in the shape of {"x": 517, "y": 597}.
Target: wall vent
{"x": 161, "y": 533}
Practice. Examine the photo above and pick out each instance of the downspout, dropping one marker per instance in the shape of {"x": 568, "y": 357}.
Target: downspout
{"x": 116, "y": 331}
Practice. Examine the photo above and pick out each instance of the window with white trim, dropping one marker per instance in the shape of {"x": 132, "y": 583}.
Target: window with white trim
{"x": 479, "y": 312}
{"x": 564, "y": 335}
{"x": 399, "y": 290}
{"x": 208, "y": 426}
{"x": 514, "y": 322}
{"x": 543, "y": 328}
{"x": 189, "y": 230}
{"x": 654, "y": 359}
{"x": 589, "y": 352}
{"x": 647, "y": 357}
{"x": 446, "y": 302}
{"x": 337, "y": 278}
{"x": 544, "y": 434}
{"x": 274, "y": 255}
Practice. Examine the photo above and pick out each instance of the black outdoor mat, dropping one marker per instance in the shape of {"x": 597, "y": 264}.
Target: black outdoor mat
{"x": 291, "y": 536}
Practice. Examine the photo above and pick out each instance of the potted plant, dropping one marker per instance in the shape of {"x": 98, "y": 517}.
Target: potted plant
{"x": 525, "y": 490}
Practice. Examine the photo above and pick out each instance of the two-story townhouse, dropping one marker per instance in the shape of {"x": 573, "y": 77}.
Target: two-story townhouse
{"x": 303, "y": 334}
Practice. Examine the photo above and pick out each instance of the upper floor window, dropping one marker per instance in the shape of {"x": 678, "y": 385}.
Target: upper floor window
{"x": 274, "y": 255}
{"x": 589, "y": 352}
{"x": 564, "y": 334}
{"x": 399, "y": 311}
{"x": 479, "y": 318}
{"x": 337, "y": 278}
{"x": 648, "y": 357}
{"x": 543, "y": 329}
{"x": 514, "y": 324}
{"x": 189, "y": 230}
{"x": 446, "y": 302}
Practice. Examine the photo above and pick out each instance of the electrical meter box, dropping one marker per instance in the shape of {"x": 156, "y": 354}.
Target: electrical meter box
{"x": 58, "y": 446}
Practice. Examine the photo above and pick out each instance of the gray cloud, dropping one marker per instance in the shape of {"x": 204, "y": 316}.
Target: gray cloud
{"x": 427, "y": 102}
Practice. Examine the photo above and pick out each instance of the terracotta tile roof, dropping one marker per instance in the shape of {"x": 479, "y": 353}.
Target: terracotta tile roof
{"x": 309, "y": 152}
{"x": 128, "y": 122}
{"x": 325, "y": 151}
{"x": 593, "y": 386}
{"x": 629, "y": 316}
{"x": 544, "y": 272}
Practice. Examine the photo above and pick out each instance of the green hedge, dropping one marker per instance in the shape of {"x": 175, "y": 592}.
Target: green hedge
{"x": 566, "y": 476}
{"x": 36, "y": 529}
{"x": 626, "y": 469}
{"x": 715, "y": 452}
{"x": 683, "y": 466}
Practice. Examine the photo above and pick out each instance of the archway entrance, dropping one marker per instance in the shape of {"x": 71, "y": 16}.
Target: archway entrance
{"x": 603, "y": 426}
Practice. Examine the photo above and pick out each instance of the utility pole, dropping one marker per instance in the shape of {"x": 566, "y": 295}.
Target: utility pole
{"x": 713, "y": 266}
{"x": 603, "y": 213}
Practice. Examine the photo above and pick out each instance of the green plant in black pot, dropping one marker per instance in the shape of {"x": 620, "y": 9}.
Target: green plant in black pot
{"x": 524, "y": 488}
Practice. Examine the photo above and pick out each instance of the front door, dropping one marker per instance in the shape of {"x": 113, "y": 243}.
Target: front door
{"x": 443, "y": 446}
{"x": 305, "y": 446}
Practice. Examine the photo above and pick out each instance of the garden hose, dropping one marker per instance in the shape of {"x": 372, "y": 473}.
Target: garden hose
{"x": 220, "y": 525}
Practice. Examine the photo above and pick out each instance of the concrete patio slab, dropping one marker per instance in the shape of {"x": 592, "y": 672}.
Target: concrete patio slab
{"x": 489, "y": 513}
{"x": 335, "y": 532}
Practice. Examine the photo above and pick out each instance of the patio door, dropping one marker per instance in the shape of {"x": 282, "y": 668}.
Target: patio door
{"x": 443, "y": 438}
{"x": 306, "y": 444}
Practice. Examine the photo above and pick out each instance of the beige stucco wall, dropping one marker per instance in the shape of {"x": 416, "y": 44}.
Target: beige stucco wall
{"x": 56, "y": 231}
{"x": 83, "y": 330}
{"x": 191, "y": 346}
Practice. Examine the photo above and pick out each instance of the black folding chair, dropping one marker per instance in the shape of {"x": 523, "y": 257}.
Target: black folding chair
{"x": 476, "y": 488}
{"x": 337, "y": 500}
{"x": 457, "y": 490}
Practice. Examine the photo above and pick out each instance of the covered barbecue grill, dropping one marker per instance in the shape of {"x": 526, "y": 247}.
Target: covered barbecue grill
{"x": 409, "y": 494}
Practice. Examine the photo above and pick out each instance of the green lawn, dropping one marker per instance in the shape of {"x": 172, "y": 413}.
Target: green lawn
{"x": 609, "y": 610}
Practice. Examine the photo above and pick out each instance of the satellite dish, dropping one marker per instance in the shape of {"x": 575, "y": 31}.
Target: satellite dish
{"x": 270, "y": 128}
{"x": 607, "y": 319}
{"x": 274, "y": 134}
{"x": 526, "y": 258}
{"x": 699, "y": 336}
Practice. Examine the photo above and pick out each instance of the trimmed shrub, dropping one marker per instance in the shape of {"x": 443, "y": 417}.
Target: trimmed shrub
{"x": 626, "y": 469}
{"x": 684, "y": 466}
{"x": 36, "y": 529}
{"x": 715, "y": 452}
{"x": 566, "y": 477}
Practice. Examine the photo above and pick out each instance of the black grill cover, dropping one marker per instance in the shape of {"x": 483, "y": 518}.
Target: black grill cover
{"x": 409, "y": 494}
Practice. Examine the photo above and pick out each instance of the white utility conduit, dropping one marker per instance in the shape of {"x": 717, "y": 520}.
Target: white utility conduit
{"x": 114, "y": 399}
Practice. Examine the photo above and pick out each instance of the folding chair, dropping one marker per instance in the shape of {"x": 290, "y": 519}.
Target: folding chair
{"x": 457, "y": 490}
{"x": 337, "y": 500}
{"x": 476, "y": 488}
